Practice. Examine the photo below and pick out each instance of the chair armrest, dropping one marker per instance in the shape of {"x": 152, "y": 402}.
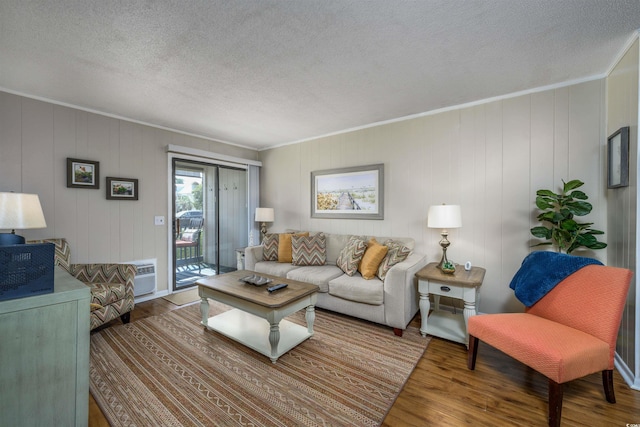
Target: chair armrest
{"x": 252, "y": 255}
{"x": 401, "y": 290}
{"x": 106, "y": 273}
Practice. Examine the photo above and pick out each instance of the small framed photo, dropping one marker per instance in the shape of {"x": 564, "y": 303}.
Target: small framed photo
{"x": 83, "y": 174}
{"x": 618, "y": 158}
{"x": 122, "y": 188}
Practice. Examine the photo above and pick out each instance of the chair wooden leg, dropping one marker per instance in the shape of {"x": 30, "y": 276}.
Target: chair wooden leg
{"x": 472, "y": 353}
{"x": 607, "y": 382}
{"x": 126, "y": 317}
{"x": 397, "y": 332}
{"x": 555, "y": 403}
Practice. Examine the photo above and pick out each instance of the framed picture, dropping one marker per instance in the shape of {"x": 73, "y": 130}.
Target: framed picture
{"x": 122, "y": 188}
{"x": 618, "y": 159}
{"x": 348, "y": 193}
{"x": 83, "y": 174}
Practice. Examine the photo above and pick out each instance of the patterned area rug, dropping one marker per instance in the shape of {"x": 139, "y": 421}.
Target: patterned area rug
{"x": 168, "y": 371}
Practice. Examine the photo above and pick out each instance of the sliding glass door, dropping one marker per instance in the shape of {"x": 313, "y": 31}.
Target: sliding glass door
{"x": 210, "y": 219}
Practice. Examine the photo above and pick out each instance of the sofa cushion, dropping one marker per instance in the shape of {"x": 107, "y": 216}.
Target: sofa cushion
{"x": 372, "y": 258}
{"x": 351, "y": 255}
{"x": 284, "y": 246}
{"x": 309, "y": 250}
{"x": 270, "y": 247}
{"x": 398, "y": 252}
{"x": 316, "y": 275}
{"x": 335, "y": 245}
{"x": 274, "y": 268}
{"x": 355, "y": 288}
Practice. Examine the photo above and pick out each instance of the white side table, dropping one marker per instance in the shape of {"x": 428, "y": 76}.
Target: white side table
{"x": 464, "y": 285}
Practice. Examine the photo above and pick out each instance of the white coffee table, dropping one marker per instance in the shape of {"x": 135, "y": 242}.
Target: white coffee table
{"x": 257, "y": 319}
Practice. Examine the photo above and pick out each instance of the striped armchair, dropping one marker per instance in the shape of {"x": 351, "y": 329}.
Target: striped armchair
{"x": 111, "y": 284}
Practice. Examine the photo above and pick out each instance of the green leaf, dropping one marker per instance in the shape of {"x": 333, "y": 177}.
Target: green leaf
{"x": 579, "y": 195}
{"x": 587, "y": 240}
{"x": 541, "y": 232}
{"x": 542, "y": 203}
{"x": 598, "y": 245}
{"x": 561, "y": 216}
{"x": 568, "y": 186}
{"x": 579, "y": 208}
{"x": 565, "y": 213}
{"x": 547, "y": 193}
{"x": 595, "y": 232}
{"x": 548, "y": 216}
{"x": 569, "y": 225}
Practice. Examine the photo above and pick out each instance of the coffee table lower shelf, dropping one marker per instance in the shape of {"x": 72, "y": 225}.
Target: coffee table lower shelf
{"x": 254, "y": 332}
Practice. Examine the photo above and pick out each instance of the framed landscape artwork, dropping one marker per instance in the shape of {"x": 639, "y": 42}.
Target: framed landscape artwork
{"x": 348, "y": 193}
{"x": 122, "y": 188}
{"x": 83, "y": 174}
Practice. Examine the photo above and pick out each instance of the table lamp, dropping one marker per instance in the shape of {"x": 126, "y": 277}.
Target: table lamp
{"x": 444, "y": 217}
{"x": 21, "y": 211}
{"x": 264, "y": 215}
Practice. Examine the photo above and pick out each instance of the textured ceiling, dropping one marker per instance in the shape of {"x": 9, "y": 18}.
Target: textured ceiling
{"x": 259, "y": 73}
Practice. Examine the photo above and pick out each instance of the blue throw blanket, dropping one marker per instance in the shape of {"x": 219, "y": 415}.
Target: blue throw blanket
{"x": 541, "y": 271}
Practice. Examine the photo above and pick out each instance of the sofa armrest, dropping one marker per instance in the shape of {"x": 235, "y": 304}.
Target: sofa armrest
{"x": 252, "y": 255}
{"x": 106, "y": 273}
{"x": 401, "y": 291}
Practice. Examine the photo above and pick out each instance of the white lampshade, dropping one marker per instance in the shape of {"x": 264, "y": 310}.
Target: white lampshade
{"x": 20, "y": 211}
{"x": 444, "y": 216}
{"x": 264, "y": 215}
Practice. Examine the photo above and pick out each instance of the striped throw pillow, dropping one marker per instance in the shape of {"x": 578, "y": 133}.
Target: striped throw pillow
{"x": 350, "y": 257}
{"x": 309, "y": 250}
{"x": 397, "y": 253}
{"x": 270, "y": 247}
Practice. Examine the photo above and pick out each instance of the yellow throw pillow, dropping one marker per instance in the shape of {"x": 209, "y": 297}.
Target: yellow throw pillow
{"x": 285, "y": 253}
{"x": 372, "y": 258}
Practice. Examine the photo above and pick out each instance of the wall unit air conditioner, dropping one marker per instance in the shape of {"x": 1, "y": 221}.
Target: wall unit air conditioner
{"x": 145, "y": 281}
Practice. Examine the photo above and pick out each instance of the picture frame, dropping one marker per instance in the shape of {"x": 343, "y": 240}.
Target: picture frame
{"x": 618, "y": 158}
{"x": 83, "y": 174}
{"x": 348, "y": 193}
{"x": 122, "y": 188}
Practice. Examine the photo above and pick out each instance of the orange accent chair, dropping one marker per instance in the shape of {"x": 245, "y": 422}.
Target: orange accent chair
{"x": 569, "y": 333}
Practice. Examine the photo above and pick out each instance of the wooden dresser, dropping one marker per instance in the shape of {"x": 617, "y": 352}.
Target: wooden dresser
{"x": 44, "y": 356}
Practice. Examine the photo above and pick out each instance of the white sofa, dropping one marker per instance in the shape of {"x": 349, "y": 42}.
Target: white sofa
{"x": 393, "y": 302}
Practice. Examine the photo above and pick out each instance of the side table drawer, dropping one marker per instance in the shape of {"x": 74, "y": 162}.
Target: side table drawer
{"x": 445, "y": 289}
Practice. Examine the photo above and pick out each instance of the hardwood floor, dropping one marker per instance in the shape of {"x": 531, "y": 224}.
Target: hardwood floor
{"x": 441, "y": 391}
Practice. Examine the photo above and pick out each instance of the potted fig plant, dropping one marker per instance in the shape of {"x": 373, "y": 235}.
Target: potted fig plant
{"x": 559, "y": 212}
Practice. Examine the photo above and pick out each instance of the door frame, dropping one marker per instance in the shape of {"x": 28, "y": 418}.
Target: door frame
{"x": 216, "y": 159}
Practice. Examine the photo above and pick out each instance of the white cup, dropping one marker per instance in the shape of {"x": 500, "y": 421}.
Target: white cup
{"x": 467, "y": 265}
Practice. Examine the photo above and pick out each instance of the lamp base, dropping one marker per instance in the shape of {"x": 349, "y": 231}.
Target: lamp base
{"x": 445, "y": 266}
{"x": 7, "y": 239}
{"x": 263, "y": 231}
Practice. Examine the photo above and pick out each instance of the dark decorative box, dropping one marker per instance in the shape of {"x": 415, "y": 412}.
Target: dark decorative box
{"x": 26, "y": 270}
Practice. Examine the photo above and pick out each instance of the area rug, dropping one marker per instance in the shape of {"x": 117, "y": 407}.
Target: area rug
{"x": 168, "y": 371}
{"x": 184, "y": 297}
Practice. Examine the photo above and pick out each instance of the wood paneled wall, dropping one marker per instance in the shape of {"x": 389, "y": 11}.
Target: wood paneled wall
{"x": 622, "y": 110}
{"x": 36, "y": 137}
{"x": 490, "y": 159}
